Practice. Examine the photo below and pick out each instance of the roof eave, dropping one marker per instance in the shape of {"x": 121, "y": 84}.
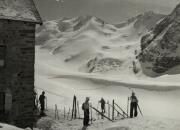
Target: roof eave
{"x": 23, "y": 20}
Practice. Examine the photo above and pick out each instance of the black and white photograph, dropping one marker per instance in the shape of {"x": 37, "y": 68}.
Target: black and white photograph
{"x": 89, "y": 64}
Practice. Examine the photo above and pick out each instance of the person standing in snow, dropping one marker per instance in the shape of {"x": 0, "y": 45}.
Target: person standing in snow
{"x": 102, "y": 101}
{"x": 42, "y": 102}
{"x": 85, "y": 108}
{"x": 133, "y": 105}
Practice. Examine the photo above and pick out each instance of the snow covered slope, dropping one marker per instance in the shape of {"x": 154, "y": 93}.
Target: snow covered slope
{"x": 141, "y": 123}
{"x": 61, "y": 83}
{"x": 8, "y": 127}
{"x": 145, "y": 123}
{"x": 88, "y": 57}
{"x": 88, "y": 44}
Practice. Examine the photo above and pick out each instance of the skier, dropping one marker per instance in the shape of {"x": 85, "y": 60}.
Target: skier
{"x": 42, "y": 103}
{"x": 102, "y": 101}
{"x": 85, "y": 108}
{"x": 133, "y": 105}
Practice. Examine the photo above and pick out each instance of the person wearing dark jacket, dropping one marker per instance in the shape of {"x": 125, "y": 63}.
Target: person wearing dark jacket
{"x": 133, "y": 105}
{"x": 85, "y": 108}
{"x": 42, "y": 102}
{"x": 102, "y": 101}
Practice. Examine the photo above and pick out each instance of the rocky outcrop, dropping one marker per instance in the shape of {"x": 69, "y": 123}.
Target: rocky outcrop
{"x": 103, "y": 65}
{"x": 160, "y": 48}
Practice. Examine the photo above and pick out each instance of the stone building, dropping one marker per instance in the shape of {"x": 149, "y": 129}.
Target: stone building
{"x": 18, "y": 19}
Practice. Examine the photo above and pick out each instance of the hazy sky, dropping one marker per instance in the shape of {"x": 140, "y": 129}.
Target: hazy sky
{"x": 113, "y": 11}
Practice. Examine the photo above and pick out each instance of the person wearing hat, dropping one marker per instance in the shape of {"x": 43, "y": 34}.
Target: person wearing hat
{"x": 85, "y": 108}
{"x": 133, "y": 105}
{"x": 42, "y": 102}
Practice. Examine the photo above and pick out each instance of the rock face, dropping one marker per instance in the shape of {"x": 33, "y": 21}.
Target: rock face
{"x": 102, "y": 65}
{"x": 161, "y": 46}
{"x": 143, "y": 22}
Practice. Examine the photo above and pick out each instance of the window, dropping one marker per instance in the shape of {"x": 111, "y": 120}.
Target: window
{"x": 2, "y": 55}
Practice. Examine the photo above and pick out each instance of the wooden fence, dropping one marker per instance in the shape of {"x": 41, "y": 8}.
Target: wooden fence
{"x": 74, "y": 112}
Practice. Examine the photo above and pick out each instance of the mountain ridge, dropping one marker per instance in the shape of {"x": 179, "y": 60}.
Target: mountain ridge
{"x": 160, "y": 47}
{"x": 93, "y": 45}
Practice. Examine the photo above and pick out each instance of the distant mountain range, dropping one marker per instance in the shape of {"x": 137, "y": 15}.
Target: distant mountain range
{"x": 91, "y": 45}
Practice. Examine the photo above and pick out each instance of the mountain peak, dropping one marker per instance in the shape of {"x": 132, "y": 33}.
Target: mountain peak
{"x": 89, "y": 18}
{"x": 146, "y": 20}
{"x": 83, "y": 20}
{"x": 175, "y": 15}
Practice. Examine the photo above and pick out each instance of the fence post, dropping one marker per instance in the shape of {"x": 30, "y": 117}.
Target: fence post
{"x": 64, "y": 113}
{"x": 46, "y": 103}
{"x": 97, "y": 109}
{"x": 78, "y": 109}
{"x": 57, "y": 114}
{"x": 113, "y": 110}
{"x": 108, "y": 110}
{"x": 73, "y": 109}
{"x": 68, "y": 113}
{"x": 128, "y": 107}
{"x": 55, "y": 111}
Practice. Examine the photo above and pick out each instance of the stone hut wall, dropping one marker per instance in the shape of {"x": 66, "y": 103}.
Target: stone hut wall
{"x": 18, "y": 71}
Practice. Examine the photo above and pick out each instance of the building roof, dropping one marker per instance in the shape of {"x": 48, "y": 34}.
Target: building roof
{"x": 22, "y": 10}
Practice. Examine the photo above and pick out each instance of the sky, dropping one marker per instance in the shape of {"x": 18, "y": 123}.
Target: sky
{"x": 112, "y": 11}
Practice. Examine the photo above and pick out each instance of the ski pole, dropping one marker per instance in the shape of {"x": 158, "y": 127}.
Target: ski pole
{"x": 128, "y": 107}
{"x": 140, "y": 110}
{"x": 91, "y": 112}
{"x": 97, "y": 109}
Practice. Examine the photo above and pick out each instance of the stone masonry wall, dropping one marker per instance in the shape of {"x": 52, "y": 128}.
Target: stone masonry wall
{"x": 18, "y": 72}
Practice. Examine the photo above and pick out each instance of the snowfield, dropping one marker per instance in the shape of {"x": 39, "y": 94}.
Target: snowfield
{"x": 8, "y": 127}
{"x": 88, "y": 57}
{"x": 85, "y": 56}
{"x": 141, "y": 123}
{"x": 157, "y": 97}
